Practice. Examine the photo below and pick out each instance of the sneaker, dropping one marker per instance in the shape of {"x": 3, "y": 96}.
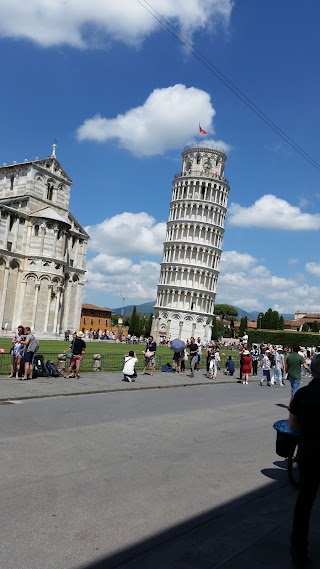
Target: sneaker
{"x": 243, "y": 383}
{"x": 128, "y": 379}
{"x": 261, "y": 383}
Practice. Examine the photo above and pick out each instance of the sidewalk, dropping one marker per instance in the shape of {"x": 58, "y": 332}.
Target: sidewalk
{"x": 101, "y": 382}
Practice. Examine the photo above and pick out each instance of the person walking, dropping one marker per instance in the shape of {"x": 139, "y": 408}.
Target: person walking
{"x": 304, "y": 417}
{"x": 246, "y": 366}
{"x": 278, "y": 368}
{"x": 293, "y": 364}
{"x": 193, "y": 355}
{"x": 266, "y": 364}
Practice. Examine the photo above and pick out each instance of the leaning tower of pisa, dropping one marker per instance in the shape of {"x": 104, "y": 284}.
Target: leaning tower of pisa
{"x": 191, "y": 252}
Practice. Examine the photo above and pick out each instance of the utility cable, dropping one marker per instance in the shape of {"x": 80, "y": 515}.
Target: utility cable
{"x": 223, "y": 79}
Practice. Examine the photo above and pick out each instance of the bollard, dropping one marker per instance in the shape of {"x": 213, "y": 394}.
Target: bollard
{"x": 96, "y": 363}
{"x": 62, "y": 362}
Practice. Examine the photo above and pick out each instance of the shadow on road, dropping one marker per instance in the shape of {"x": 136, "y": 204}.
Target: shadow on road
{"x": 223, "y": 536}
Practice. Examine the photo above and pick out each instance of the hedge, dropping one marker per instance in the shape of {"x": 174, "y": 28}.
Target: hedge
{"x": 284, "y": 338}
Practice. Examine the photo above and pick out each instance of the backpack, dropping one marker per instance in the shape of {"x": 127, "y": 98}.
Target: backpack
{"x": 33, "y": 344}
{"x": 52, "y": 369}
{"x": 272, "y": 360}
{"x": 39, "y": 366}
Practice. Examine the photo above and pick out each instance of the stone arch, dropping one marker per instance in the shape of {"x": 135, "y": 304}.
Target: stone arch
{"x": 44, "y": 298}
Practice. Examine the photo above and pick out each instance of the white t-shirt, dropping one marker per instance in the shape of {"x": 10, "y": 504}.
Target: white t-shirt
{"x": 129, "y": 363}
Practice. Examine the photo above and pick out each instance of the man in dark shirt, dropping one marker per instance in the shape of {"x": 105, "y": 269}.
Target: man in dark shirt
{"x": 193, "y": 354}
{"x": 304, "y": 417}
{"x": 77, "y": 348}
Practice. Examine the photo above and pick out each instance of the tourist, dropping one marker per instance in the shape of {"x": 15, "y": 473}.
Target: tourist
{"x": 266, "y": 364}
{"x": 255, "y": 359}
{"x": 278, "y": 368}
{"x": 77, "y": 349}
{"x": 293, "y": 364}
{"x": 150, "y": 355}
{"x": 31, "y": 344}
{"x": 129, "y": 372}
{"x": 304, "y": 417}
{"x": 246, "y": 366}
{"x": 230, "y": 367}
{"x": 17, "y": 352}
{"x": 193, "y": 355}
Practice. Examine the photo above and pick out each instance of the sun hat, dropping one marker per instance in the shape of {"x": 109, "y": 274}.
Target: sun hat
{"x": 80, "y": 334}
{"x": 246, "y": 352}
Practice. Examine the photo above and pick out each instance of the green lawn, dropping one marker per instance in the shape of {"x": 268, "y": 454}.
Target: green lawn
{"x": 112, "y": 353}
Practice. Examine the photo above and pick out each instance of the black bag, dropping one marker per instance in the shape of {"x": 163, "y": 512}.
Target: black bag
{"x": 52, "y": 369}
{"x": 39, "y": 366}
{"x": 284, "y": 443}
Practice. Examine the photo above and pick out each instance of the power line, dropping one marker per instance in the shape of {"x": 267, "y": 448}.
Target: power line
{"x": 223, "y": 79}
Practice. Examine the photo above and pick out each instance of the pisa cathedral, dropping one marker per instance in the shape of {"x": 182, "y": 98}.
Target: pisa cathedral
{"x": 42, "y": 248}
{"x": 192, "y": 249}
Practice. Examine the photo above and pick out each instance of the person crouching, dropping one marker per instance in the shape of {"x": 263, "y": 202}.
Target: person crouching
{"x": 129, "y": 372}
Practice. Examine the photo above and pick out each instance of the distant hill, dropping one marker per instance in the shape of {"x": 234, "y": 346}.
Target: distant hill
{"x": 147, "y": 309}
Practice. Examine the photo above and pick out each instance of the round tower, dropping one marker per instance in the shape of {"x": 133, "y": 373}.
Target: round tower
{"x": 192, "y": 249}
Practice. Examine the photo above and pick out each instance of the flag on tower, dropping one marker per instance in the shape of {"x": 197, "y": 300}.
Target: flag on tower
{"x": 201, "y": 130}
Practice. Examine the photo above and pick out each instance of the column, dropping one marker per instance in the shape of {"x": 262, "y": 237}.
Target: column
{"x": 65, "y": 320}
{"x": 46, "y": 318}
{"x": 35, "y": 303}
{"x": 4, "y": 293}
{"x": 56, "y": 312}
{"x": 15, "y": 320}
{"x": 21, "y": 296}
{"x": 77, "y": 311}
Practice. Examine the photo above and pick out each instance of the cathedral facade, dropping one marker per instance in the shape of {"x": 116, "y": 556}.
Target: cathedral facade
{"x": 192, "y": 249}
{"x": 42, "y": 248}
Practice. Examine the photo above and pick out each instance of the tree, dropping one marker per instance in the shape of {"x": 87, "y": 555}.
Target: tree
{"x": 134, "y": 326}
{"x": 225, "y": 311}
{"x": 281, "y": 323}
{"x": 243, "y": 326}
{"x": 315, "y": 326}
{"x": 305, "y": 327}
{"x": 214, "y": 333}
{"x": 148, "y": 327}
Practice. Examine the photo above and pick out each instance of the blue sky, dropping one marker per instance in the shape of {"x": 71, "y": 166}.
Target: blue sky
{"x": 123, "y": 98}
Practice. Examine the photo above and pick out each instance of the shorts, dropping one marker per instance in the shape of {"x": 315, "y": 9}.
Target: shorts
{"x": 28, "y": 356}
{"x": 75, "y": 359}
{"x": 150, "y": 360}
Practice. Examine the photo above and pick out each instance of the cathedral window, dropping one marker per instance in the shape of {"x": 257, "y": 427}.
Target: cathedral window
{"x": 36, "y": 230}
{"x": 9, "y": 245}
{"x": 11, "y": 182}
{"x": 49, "y": 191}
{"x": 198, "y": 158}
{"x": 11, "y": 222}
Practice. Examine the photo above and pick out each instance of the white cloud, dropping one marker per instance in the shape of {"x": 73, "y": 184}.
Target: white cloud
{"x": 82, "y": 24}
{"x": 256, "y": 288}
{"x": 293, "y": 261}
{"x": 270, "y": 212}
{"x": 167, "y": 120}
{"x": 234, "y": 261}
{"x": 115, "y": 275}
{"x": 313, "y": 268}
{"x": 128, "y": 234}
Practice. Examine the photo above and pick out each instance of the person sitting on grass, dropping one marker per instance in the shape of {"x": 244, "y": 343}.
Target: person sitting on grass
{"x": 230, "y": 367}
{"x": 129, "y": 372}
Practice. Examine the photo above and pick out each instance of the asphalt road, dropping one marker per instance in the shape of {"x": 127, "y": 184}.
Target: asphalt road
{"x": 85, "y": 477}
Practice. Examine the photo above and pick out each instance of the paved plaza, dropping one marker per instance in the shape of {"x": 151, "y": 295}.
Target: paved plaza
{"x": 181, "y": 478}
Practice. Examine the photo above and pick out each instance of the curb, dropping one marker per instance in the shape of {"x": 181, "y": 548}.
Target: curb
{"x": 119, "y": 390}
